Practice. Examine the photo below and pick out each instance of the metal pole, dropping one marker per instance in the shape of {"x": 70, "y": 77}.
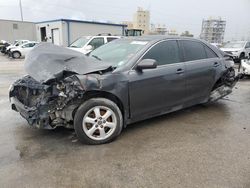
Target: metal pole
{"x": 21, "y": 9}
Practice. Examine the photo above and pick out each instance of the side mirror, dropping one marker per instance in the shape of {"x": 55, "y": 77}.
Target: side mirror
{"x": 88, "y": 47}
{"x": 146, "y": 64}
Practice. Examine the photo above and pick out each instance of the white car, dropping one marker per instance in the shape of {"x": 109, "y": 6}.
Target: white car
{"x": 238, "y": 50}
{"x": 245, "y": 64}
{"x": 22, "y": 50}
{"x": 16, "y": 44}
{"x": 87, "y": 44}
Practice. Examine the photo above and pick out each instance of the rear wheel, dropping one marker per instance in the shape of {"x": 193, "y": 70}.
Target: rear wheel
{"x": 16, "y": 55}
{"x": 98, "y": 121}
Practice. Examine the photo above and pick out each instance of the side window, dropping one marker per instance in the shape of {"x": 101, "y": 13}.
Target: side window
{"x": 96, "y": 42}
{"x": 109, "y": 39}
{"x": 32, "y": 44}
{"x": 210, "y": 53}
{"x": 166, "y": 52}
{"x": 193, "y": 50}
{"x": 26, "y": 46}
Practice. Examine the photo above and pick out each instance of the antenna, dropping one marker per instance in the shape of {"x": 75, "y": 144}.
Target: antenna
{"x": 21, "y": 9}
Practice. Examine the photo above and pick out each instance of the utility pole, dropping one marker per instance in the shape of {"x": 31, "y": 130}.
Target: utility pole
{"x": 21, "y": 9}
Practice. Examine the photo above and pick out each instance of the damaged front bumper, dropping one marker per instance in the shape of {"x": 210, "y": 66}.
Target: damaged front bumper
{"x": 31, "y": 114}
{"x": 45, "y": 106}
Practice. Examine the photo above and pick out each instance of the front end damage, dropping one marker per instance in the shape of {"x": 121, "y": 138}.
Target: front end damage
{"x": 54, "y": 88}
{"x": 46, "y": 106}
{"x": 225, "y": 85}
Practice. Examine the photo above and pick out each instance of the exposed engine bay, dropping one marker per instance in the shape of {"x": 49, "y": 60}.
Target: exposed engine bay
{"x": 48, "y": 106}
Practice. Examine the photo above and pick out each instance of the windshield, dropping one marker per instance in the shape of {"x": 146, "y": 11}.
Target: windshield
{"x": 118, "y": 52}
{"x": 79, "y": 43}
{"x": 234, "y": 45}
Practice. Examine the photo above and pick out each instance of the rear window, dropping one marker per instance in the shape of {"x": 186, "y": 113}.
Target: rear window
{"x": 193, "y": 50}
{"x": 109, "y": 39}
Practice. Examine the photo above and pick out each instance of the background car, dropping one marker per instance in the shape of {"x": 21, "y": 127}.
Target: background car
{"x": 16, "y": 43}
{"x": 22, "y": 50}
{"x": 87, "y": 44}
{"x": 3, "y": 45}
{"x": 238, "y": 50}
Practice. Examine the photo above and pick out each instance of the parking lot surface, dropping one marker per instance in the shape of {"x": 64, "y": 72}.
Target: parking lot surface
{"x": 202, "y": 146}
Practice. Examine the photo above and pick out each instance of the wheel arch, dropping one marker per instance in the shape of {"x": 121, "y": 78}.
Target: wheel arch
{"x": 221, "y": 80}
{"x": 16, "y": 51}
{"x": 103, "y": 94}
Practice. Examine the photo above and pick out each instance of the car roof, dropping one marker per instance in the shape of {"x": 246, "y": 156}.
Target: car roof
{"x": 100, "y": 36}
{"x": 156, "y": 38}
{"x": 238, "y": 41}
{"x": 161, "y": 37}
{"x": 29, "y": 43}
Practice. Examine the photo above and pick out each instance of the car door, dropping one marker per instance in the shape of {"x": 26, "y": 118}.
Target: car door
{"x": 26, "y": 48}
{"x": 155, "y": 91}
{"x": 201, "y": 65}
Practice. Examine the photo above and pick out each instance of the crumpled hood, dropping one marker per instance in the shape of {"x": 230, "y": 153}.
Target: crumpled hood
{"x": 47, "y": 61}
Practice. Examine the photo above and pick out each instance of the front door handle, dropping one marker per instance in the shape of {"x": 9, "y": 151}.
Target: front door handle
{"x": 216, "y": 64}
{"x": 179, "y": 71}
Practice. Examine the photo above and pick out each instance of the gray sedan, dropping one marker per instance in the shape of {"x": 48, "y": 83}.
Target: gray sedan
{"x": 122, "y": 82}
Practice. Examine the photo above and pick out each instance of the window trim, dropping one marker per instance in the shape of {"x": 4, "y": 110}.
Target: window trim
{"x": 165, "y": 40}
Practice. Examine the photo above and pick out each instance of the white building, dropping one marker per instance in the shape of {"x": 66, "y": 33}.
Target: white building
{"x": 11, "y": 30}
{"x": 64, "y": 31}
{"x": 213, "y": 30}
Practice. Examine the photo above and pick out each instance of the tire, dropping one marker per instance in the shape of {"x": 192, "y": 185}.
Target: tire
{"x": 16, "y": 55}
{"x": 98, "y": 121}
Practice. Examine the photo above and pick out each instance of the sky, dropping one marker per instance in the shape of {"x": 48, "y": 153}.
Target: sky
{"x": 180, "y": 15}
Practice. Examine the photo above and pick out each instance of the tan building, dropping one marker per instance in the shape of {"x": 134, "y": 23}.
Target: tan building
{"x": 129, "y": 24}
{"x": 172, "y": 32}
{"x": 142, "y": 20}
{"x": 158, "y": 29}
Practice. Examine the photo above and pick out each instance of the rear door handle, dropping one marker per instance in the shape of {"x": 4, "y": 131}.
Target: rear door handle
{"x": 179, "y": 71}
{"x": 216, "y": 64}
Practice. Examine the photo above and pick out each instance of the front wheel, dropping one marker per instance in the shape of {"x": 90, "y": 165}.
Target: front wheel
{"x": 98, "y": 121}
{"x": 16, "y": 55}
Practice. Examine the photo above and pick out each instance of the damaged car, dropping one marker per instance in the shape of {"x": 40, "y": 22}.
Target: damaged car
{"x": 122, "y": 82}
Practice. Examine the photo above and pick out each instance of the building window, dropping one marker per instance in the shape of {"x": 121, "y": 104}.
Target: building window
{"x": 15, "y": 26}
